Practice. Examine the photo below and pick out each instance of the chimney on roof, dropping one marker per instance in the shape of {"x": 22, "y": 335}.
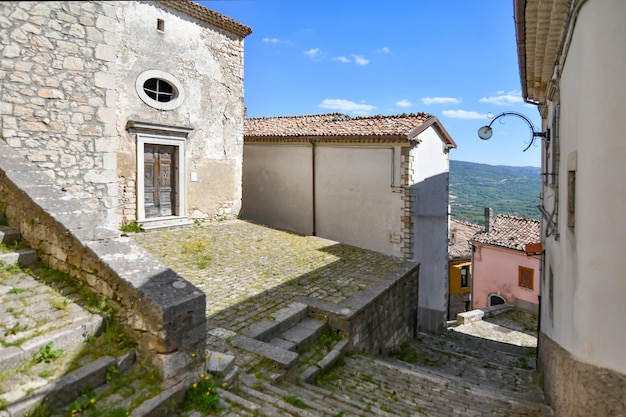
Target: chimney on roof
{"x": 488, "y": 219}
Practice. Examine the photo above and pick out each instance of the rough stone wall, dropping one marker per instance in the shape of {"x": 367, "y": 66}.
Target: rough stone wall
{"x": 574, "y": 388}
{"x": 208, "y": 62}
{"x": 407, "y": 213}
{"x": 57, "y": 95}
{"x": 379, "y": 318}
{"x": 163, "y": 312}
{"x": 457, "y": 304}
{"x": 68, "y": 71}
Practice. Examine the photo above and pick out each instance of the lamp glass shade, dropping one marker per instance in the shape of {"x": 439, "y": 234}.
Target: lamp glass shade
{"x": 485, "y": 132}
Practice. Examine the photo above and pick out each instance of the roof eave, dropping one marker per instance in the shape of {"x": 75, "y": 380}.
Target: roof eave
{"x": 198, "y": 11}
{"x": 386, "y": 139}
{"x": 519, "y": 10}
{"x": 432, "y": 121}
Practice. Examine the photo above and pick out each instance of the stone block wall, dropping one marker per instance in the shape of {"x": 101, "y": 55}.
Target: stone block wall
{"x": 164, "y": 312}
{"x": 68, "y": 74}
{"x": 381, "y": 324}
{"x": 57, "y": 94}
{"x": 379, "y": 318}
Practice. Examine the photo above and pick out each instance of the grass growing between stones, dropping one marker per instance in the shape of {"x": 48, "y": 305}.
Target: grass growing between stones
{"x": 132, "y": 227}
{"x": 202, "y": 396}
{"x": 59, "y": 298}
{"x": 295, "y": 401}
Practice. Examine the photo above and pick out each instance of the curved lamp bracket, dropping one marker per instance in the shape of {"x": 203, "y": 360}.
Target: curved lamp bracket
{"x": 486, "y": 132}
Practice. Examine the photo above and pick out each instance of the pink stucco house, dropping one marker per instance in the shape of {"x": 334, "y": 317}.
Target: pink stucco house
{"x": 503, "y": 272}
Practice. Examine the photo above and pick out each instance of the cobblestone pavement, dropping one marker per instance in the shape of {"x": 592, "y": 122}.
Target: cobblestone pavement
{"x": 249, "y": 271}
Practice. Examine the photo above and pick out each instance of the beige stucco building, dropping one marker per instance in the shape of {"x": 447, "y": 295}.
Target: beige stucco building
{"x": 572, "y": 60}
{"x": 135, "y": 107}
{"x": 379, "y": 183}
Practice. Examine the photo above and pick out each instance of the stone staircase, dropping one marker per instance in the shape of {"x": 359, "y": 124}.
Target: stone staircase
{"x": 59, "y": 350}
{"x": 61, "y": 355}
{"x": 448, "y": 375}
{"x": 453, "y": 374}
{"x": 297, "y": 344}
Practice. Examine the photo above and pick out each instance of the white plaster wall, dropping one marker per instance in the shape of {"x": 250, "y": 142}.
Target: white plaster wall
{"x": 355, "y": 202}
{"x": 430, "y": 194}
{"x": 278, "y": 186}
{"x": 208, "y": 62}
{"x": 589, "y": 284}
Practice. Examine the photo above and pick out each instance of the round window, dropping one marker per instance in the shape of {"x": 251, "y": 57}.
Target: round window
{"x": 159, "y": 89}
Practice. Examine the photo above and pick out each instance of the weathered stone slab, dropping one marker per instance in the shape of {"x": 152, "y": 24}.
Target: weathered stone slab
{"x": 470, "y": 316}
{"x": 281, "y": 357}
{"x": 280, "y": 321}
{"x": 304, "y": 332}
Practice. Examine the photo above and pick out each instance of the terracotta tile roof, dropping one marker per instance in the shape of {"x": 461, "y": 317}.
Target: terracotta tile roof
{"x": 212, "y": 17}
{"x": 338, "y": 126}
{"x": 459, "y": 241}
{"x": 510, "y": 232}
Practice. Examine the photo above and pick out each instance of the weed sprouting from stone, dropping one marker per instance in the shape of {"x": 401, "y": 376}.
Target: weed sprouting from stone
{"x": 202, "y": 396}
{"x": 132, "y": 227}
{"x": 295, "y": 401}
{"x": 47, "y": 354}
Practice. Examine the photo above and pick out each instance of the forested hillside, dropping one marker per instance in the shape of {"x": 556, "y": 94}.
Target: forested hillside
{"x": 506, "y": 189}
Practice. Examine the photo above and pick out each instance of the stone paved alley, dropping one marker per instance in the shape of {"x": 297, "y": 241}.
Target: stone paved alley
{"x": 249, "y": 271}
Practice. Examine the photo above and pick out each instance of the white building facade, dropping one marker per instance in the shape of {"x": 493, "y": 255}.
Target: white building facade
{"x": 378, "y": 183}
{"x": 572, "y": 56}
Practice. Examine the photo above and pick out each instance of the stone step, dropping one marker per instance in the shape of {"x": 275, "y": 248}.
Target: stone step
{"x": 162, "y": 222}
{"x": 22, "y": 257}
{"x": 69, "y": 339}
{"x": 310, "y": 373}
{"x": 13, "y": 252}
{"x": 285, "y": 318}
{"x": 438, "y": 394}
{"x": 8, "y": 235}
{"x": 297, "y": 337}
{"x": 490, "y": 352}
{"x": 317, "y": 400}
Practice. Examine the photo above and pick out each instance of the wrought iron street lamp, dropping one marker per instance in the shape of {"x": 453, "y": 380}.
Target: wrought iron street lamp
{"x": 486, "y": 132}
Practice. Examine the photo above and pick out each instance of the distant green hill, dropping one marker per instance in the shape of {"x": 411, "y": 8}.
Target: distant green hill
{"x": 506, "y": 189}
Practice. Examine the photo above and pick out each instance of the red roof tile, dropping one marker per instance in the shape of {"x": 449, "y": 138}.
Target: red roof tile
{"x": 459, "y": 242}
{"x": 510, "y": 232}
{"x": 338, "y": 126}
{"x": 212, "y": 17}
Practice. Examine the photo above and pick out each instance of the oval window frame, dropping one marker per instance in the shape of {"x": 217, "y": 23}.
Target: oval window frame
{"x": 167, "y": 77}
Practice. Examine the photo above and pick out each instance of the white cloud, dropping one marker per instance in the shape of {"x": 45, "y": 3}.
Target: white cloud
{"x": 464, "y": 114}
{"x": 403, "y": 103}
{"x": 313, "y": 53}
{"x": 341, "y": 59}
{"x": 273, "y": 41}
{"x": 360, "y": 59}
{"x": 504, "y": 99}
{"x": 346, "y": 106}
{"x": 384, "y": 50}
{"x": 440, "y": 100}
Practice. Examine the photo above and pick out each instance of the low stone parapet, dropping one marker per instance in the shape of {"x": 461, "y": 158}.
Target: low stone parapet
{"x": 164, "y": 312}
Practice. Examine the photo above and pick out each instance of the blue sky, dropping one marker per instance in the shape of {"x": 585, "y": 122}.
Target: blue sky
{"x": 455, "y": 59}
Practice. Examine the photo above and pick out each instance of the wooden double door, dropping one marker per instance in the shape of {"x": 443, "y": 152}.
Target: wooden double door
{"x": 160, "y": 180}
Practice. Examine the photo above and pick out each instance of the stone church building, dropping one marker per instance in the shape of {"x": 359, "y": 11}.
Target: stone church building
{"x": 135, "y": 107}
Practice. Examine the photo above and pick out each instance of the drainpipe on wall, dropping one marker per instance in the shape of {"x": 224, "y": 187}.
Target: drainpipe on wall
{"x": 313, "y": 185}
